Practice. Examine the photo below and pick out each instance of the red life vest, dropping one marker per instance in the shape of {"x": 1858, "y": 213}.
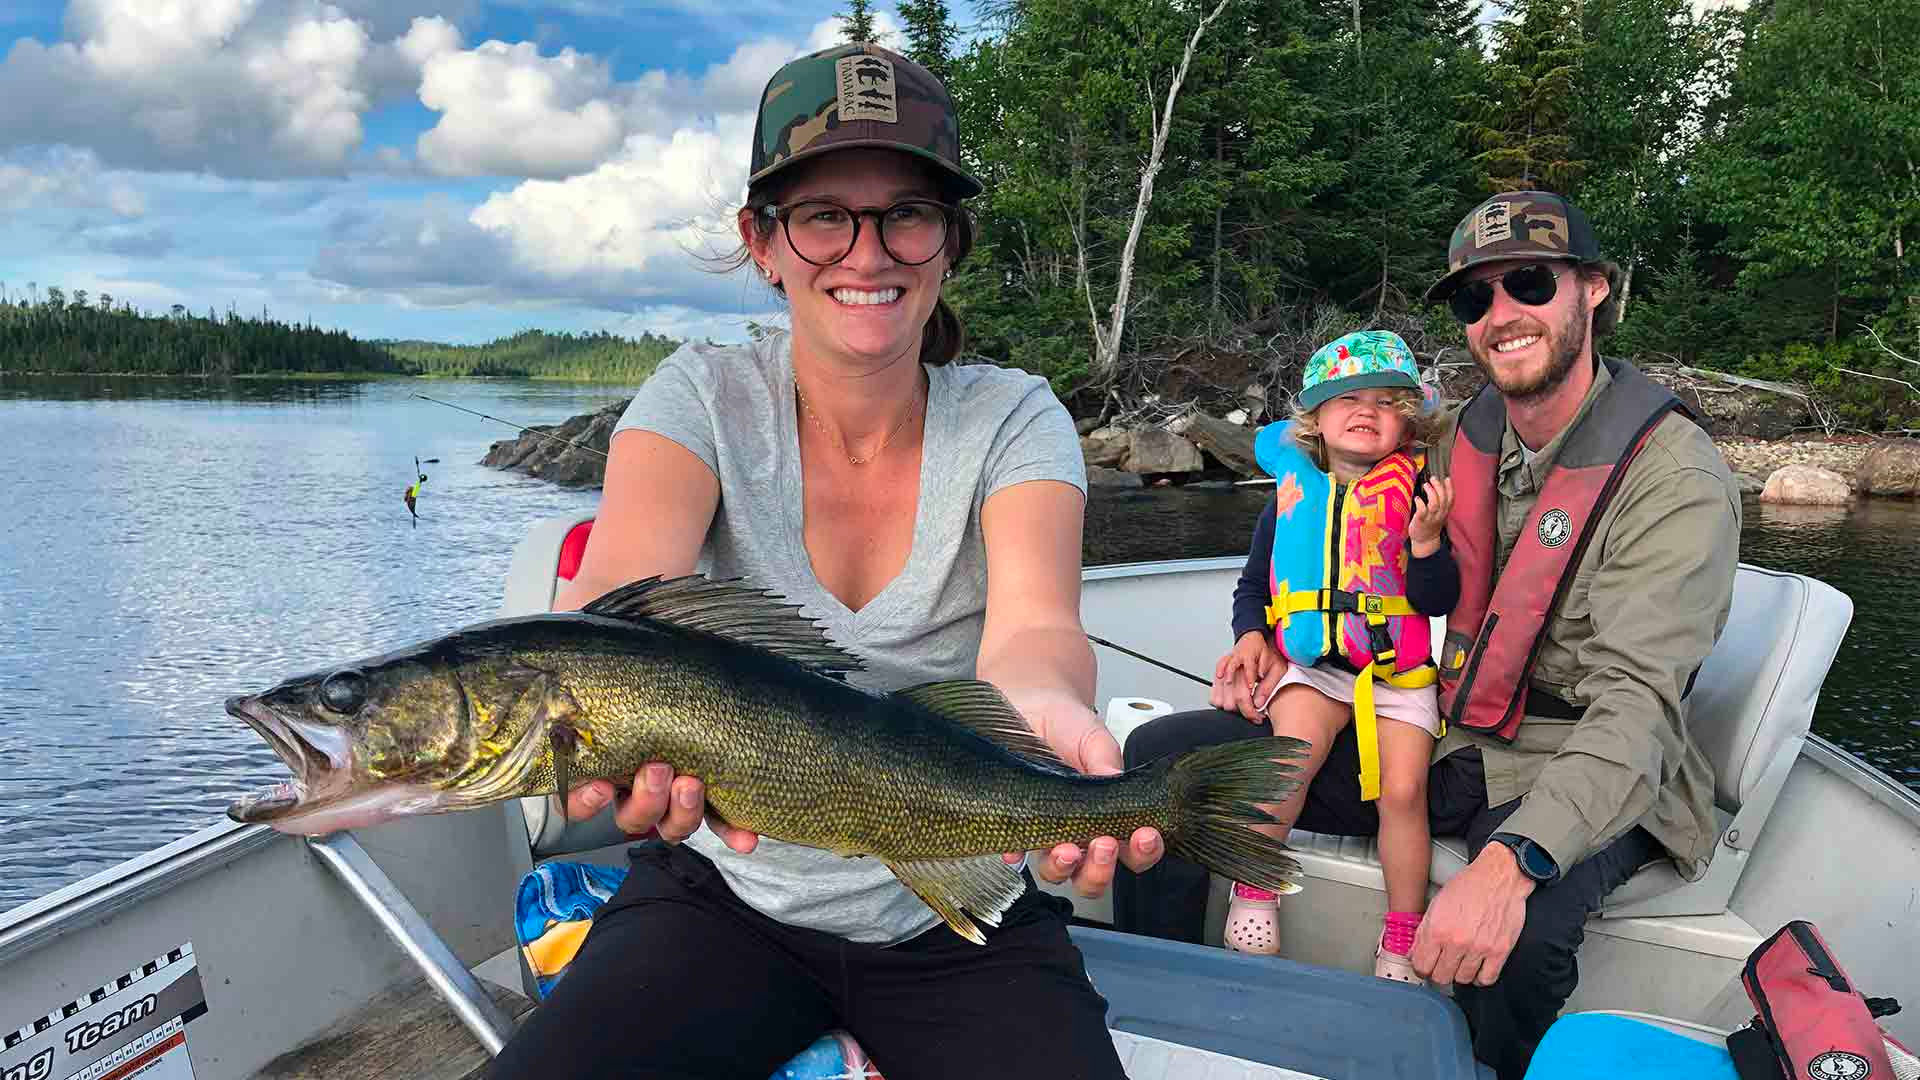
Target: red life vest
{"x": 1495, "y": 631}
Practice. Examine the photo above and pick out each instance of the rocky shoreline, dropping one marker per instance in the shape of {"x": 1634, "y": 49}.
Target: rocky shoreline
{"x": 1197, "y": 446}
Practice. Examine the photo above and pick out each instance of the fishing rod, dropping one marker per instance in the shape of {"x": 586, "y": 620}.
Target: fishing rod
{"x": 511, "y": 424}
{"x": 1149, "y": 660}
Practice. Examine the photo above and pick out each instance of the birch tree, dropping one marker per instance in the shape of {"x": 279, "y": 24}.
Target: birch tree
{"x": 1109, "y": 333}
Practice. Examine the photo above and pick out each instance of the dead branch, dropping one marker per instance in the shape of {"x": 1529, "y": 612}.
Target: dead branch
{"x": 1888, "y": 349}
{"x": 1107, "y": 338}
{"x": 1882, "y": 378}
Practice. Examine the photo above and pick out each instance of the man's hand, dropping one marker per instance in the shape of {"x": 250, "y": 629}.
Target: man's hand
{"x": 1471, "y": 926}
{"x": 1082, "y": 741}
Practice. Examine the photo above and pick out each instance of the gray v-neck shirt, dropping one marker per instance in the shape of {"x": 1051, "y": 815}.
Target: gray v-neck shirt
{"x": 987, "y": 428}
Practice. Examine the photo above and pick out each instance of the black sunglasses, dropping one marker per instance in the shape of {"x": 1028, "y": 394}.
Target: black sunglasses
{"x": 1533, "y": 285}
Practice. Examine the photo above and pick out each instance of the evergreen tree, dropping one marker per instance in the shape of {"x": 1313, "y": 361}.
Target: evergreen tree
{"x": 1817, "y": 177}
{"x": 930, "y": 33}
{"x": 1520, "y": 124}
{"x": 857, "y": 21}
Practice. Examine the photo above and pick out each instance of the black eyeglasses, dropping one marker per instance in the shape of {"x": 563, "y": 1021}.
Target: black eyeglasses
{"x": 1533, "y": 285}
{"x": 823, "y": 232}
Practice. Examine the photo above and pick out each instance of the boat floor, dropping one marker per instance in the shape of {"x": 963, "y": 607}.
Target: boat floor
{"x": 407, "y": 1031}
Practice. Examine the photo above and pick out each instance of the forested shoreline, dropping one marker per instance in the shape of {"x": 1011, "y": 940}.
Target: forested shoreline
{"x": 1753, "y": 171}
{"x": 52, "y": 332}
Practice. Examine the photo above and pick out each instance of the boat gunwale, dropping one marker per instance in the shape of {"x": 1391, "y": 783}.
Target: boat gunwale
{"x": 69, "y": 908}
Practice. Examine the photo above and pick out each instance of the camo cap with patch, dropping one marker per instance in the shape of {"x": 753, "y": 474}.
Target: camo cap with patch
{"x": 857, "y": 95}
{"x": 1516, "y": 225}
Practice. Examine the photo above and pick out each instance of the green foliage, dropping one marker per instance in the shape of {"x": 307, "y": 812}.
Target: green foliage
{"x": 1752, "y": 171}
{"x": 858, "y": 21}
{"x": 538, "y": 354}
{"x": 1815, "y": 178}
{"x": 930, "y": 34}
{"x": 1855, "y": 380}
{"x": 1521, "y": 123}
{"x": 72, "y": 336}
{"x": 58, "y": 335}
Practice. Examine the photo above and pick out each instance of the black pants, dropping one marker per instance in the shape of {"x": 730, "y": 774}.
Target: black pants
{"x": 679, "y": 978}
{"x": 1508, "y": 1018}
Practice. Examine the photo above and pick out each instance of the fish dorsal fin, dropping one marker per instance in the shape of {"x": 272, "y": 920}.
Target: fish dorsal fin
{"x": 980, "y": 707}
{"x": 732, "y": 610}
{"x": 983, "y": 885}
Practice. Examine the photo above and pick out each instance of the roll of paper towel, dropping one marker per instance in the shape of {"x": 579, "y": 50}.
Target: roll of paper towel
{"x": 1126, "y": 713}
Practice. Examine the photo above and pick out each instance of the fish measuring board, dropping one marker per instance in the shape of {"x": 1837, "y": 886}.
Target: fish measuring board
{"x": 134, "y": 1025}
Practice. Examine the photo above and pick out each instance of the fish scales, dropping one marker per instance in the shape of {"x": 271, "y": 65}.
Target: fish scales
{"x": 720, "y": 683}
{"x": 817, "y": 762}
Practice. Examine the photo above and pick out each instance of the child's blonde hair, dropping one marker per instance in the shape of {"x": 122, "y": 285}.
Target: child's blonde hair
{"x": 1422, "y": 426}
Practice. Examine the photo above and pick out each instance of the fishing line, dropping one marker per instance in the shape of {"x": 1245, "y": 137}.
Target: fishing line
{"x": 518, "y": 427}
{"x": 1150, "y": 660}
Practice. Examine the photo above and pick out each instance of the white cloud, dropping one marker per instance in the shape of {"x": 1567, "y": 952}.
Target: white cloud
{"x": 659, "y": 199}
{"x": 510, "y": 110}
{"x": 623, "y": 233}
{"x": 239, "y": 87}
{"x": 507, "y": 109}
{"x": 65, "y": 178}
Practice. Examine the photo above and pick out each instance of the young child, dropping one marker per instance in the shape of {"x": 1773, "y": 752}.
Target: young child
{"x": 1330, "y": 615}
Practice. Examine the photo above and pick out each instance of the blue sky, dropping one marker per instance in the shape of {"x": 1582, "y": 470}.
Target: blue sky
{"x": 447, "y": 169}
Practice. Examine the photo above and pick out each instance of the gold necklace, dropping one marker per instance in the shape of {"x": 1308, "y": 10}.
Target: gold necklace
{"x": 851, "y": 460}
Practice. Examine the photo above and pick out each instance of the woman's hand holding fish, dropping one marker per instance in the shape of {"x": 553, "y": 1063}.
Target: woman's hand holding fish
{"x": 669, "y": 805}
{"x": 1082, "y": 741}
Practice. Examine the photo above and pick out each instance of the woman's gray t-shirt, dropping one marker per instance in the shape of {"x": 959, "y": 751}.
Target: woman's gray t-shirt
{"x": 987, "y": 428}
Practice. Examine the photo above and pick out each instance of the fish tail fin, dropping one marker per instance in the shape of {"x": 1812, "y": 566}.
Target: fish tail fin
{"x": 1215, "y": 794}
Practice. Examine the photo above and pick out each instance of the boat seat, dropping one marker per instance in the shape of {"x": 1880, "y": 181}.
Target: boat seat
{"x": 1750, "y": 710}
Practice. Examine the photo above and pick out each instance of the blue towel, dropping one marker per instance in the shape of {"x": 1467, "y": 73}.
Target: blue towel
{"x": 562, "y": 892}
{"x": 555, "y": 908}
{"x": 1597, "y": 1046}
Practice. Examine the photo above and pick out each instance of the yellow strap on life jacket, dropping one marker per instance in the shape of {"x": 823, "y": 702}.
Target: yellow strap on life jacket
{"x": 1293, "y": 602}
{"x": 1366, "y": 728}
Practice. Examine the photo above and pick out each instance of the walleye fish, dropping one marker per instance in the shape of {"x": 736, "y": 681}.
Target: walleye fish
{"x": 726, "y": 683}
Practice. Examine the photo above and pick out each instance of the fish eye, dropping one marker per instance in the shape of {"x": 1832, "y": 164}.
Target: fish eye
{"x": 343, "y": 692}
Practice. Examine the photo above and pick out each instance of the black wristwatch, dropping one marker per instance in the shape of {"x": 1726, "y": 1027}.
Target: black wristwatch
{"x": 1532, "y": 859}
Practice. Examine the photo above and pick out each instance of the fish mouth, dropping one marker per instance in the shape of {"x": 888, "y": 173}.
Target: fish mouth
{"x": 318, "y": 775}
{"x": 324, "y": 795}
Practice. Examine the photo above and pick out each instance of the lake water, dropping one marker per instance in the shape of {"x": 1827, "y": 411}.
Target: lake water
{"x": 165, "y": 544}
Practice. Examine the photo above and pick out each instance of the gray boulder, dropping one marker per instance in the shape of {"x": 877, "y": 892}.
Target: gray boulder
{"x": 1891, "y": 468}
{"x": 1807, "y": 485}
{"x": 1153, "y": 451}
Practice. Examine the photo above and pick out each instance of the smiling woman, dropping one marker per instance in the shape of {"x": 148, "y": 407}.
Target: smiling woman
{"x": 928, "y": 516}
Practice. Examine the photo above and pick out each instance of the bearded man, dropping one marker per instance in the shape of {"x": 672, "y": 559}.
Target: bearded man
{"x": 1597, "y": 532}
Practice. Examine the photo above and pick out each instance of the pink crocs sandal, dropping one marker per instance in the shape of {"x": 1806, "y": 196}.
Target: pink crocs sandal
{"x": 1391, "y": 965}
{"x": 1393, "y": 958}
{"x": 1253, "y": 921}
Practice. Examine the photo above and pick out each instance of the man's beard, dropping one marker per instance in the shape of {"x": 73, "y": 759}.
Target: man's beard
{"x": 1564, "y": 348}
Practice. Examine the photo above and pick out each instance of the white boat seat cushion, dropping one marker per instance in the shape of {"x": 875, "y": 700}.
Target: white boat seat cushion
{"x": 1754, "y": 697}
{"x": 1750, "y": 710}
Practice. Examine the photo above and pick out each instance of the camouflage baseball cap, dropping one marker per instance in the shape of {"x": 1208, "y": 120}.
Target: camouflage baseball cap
{"x": 857, "y": 95}
{"x": 1516, "y": 225}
